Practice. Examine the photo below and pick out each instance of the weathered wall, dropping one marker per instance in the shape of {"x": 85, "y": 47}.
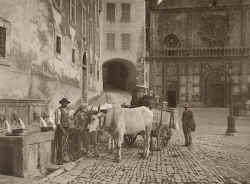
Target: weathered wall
{"x": 34, "y": 69}
{"x": 193, "y": 28}
{"x": 94, "y": 81}
{"x": 136, "y": 29}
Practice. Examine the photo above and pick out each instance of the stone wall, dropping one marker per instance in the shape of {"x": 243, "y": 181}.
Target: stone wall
{"x": 32, "y": 68}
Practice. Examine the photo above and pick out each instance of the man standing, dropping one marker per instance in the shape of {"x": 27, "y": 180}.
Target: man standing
{"x": 62, "y": 120}
{"x": 188, "y": 124}
{"x": 81, "y": 120}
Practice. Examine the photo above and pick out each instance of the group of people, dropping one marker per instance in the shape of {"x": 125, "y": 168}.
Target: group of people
{"x": 81, "y": 117}
{"x": 63, "y": 121}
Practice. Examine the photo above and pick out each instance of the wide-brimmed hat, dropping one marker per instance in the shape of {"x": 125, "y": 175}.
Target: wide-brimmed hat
{"x": 186, "y": 105}
{"x": 64, "y": 101}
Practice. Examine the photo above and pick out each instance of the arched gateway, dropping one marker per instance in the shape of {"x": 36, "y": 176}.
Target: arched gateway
{"x": 119, "y": 73}
{"x": 216, "y": 89}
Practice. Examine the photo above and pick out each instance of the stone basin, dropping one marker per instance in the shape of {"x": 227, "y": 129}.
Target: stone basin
{"x": 27, "y": 155}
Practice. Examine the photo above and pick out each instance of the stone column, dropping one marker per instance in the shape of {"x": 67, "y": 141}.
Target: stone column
{"x": 244, "y": 81}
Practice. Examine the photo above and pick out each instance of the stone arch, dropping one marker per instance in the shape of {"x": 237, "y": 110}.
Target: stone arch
{"x": 119, "y": 73}
{"x": 216, "y": 88}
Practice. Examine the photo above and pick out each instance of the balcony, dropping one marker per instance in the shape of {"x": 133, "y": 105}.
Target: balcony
{"x": 202, "y": 52}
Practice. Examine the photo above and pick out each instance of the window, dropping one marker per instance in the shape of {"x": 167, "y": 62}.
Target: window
{"x": 83, "y": 21}
{"x": 58, "y": 4}
{"x": 73, "y": 11}
{"x": 98, "y": 74}
{"x": 172, "y": 41}
{"x": 125, "y": 12}
{"x": 125, "y": 41}
{"x": 91, "y": 69}
{"x": 58, "y": 45}
{"x": 73, "y": 56}
{"x": 84, "y": 58}
{"x": 2, "y": 41}
{"x": 111, "y": 12}
{"x": 110, "y": 41}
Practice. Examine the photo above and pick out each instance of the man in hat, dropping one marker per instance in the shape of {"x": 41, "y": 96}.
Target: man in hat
{"x": 188, "y": 124}
{"x": 81, "y": 119}
{"x": 62, "y": 121}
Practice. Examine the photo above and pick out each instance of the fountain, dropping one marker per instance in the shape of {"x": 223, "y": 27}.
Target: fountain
{"x": 25, "y": 137}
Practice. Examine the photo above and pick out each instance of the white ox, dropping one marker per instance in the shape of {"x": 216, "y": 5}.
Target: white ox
{"x": 119, "y": 121}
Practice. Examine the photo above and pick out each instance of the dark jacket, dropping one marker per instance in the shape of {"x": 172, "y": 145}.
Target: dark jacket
{"x": 188, "y": 119}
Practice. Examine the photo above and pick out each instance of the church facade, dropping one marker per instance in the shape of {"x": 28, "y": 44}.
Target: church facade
{"x": 199, "y": 51}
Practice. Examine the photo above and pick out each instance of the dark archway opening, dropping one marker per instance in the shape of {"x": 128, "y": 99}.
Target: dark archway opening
{"x": 172, "y": 94}
{"x": 119, "y": 74}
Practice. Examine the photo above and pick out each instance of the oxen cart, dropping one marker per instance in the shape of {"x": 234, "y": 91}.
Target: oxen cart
{"x": 165, "y": 119}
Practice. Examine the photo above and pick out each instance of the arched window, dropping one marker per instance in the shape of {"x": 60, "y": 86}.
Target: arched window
{"x": 171, "y": 41}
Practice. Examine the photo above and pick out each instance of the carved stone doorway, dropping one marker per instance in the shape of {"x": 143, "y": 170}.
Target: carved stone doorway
{"x": 215, "y": 90}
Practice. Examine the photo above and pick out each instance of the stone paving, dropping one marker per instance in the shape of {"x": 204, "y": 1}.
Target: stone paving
{"x": 213, "y": 159}
{"x": 174, "y": 165}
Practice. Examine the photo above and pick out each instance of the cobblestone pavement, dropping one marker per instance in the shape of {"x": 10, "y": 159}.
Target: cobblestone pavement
{"x": 174, "y": 165}
{"x": 230, "y": 154}
{"x": 214, "y": 158}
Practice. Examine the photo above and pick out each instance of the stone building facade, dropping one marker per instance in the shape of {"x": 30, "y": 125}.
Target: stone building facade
{"x": 199, "y": 51}
{"x": 123, "y": 43}
{"x": 49, "y": 49}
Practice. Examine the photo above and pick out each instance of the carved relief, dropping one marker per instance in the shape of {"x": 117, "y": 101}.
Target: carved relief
{"x": 214, "y": 30}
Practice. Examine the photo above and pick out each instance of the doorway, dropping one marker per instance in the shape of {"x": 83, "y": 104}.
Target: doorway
{"x": 172, "y": 98}
{"x": 215, "y": 95}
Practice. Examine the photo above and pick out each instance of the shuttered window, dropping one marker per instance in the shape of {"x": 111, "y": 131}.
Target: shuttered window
{"x": 58, "y": 45}
{"x": 73, "y": 56}
{"x": 125, "y": 12}
{"x": 111, "y": 12}
{"x": 2, "y": 41}
{"x": 125, "y": 41}
{"x": 110, "y": 41}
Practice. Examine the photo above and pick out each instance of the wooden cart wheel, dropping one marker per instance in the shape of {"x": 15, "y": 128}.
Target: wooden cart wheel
{"x": 129, "y": 139}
